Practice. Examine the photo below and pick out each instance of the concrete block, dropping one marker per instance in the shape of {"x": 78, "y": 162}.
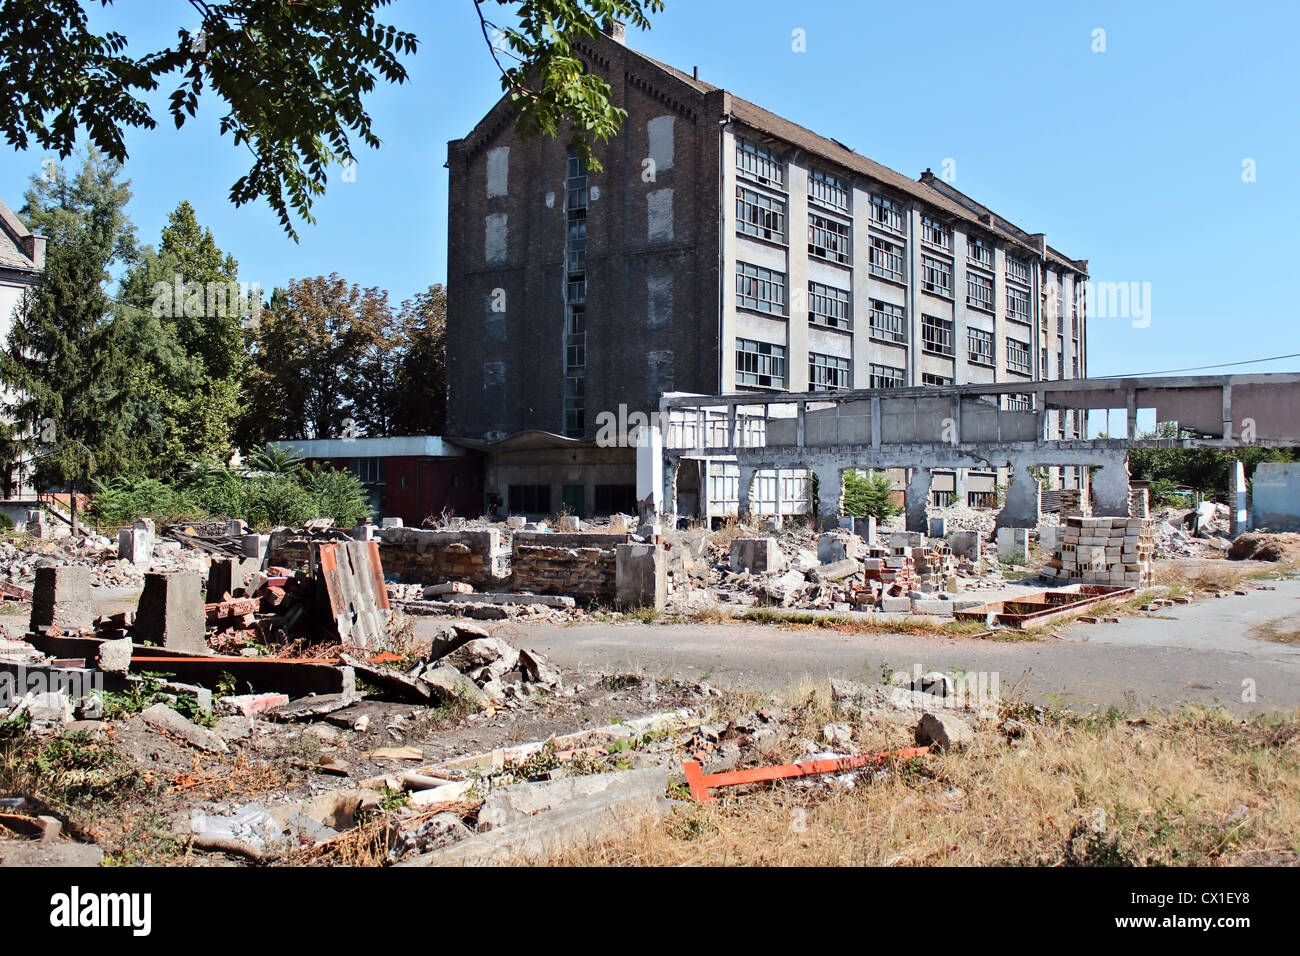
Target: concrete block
{"x": 641, "y": 576}
{"x": 897, "y": 605}
{"x": 171, "y": 612}
{"x": 514, "y": 803}
{"x": 392, "y": 523}
{"x": 943, "y": 731}
{"x": 570, "y": 524}
{"x": 757, "y": 555}
{"x": 836, "y": 571}
{"x": 516, "y": 522}
{"x": 236, "y": 528}
{"x": 163, "y": 718}
{"x": 1012, "y": 542}
{"x": 1049, "y": 537}
{"x": 255, "y": 546}
{"x": 229, "y": 576}
{"x": 135, "y": 545}
{"x": 61, "y": 598}
{"x": 929, "y": 606}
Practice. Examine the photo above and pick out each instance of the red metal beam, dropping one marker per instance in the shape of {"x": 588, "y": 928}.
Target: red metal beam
{"x": 700, "y": 782}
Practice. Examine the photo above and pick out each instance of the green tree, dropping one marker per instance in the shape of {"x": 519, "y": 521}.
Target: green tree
{"x": 869, "y": 494}
{"x": 417, "y": 402}
{"x": 181, "y": 312}
{"x": 316, "y": 351}
{"x": 292, "y": 78}
{"x": 62, "y": 365}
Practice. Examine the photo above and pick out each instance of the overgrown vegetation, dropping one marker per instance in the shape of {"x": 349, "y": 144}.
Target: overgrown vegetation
{"x": 869, "y": 494}
{"x": 263, "y": 498}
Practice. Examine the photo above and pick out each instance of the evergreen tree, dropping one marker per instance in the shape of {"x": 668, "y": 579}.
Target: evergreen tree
{"x": 62, "y": 366}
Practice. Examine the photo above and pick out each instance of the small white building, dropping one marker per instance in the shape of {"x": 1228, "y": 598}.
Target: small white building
{"x": 22, "y": 257}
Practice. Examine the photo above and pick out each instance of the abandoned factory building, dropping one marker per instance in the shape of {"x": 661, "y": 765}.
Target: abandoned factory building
{"x": 578, "y": 297}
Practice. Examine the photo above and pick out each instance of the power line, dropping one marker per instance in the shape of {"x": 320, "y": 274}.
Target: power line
{"x": 1199, "y": 368}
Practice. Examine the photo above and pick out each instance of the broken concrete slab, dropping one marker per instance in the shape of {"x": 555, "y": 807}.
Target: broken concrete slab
{"x": 511, "y": 804}
{"x": 641, "y": 576}
{"x": 169, "y": 721}
{"x": 40, "y": 853}
{"x": 572, "y": 825}
{"x": 836, "y": 571}
{"x": 448, "y": 684}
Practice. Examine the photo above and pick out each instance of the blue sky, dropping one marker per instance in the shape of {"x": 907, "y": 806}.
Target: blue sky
{"x": 1131, "y": 158}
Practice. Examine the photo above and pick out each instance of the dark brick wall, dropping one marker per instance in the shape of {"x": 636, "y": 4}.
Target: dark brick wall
{"x": 528, "y": 338}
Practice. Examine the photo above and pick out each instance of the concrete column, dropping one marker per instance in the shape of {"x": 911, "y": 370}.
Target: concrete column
{"x": 830, "y": 493}
{"x": 744, "y": 488}
{"x": 1110, "y": 489}
{"x": 915, "y": 498}
{"x": 1023, "y": 507}
{"x": 1238, "y": 519}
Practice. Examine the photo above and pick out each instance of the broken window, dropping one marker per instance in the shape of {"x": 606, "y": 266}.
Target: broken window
{"x": 1017, "y": 304}
{"x": 828, "y": 190}
{"x": 760, "y": 289}
{"x": 979, "y": 291}
{"x": 935, "y": 381}
{"x": 888, "y": 321}
{"x": 936, "y": 233}
{"x": 760, "y": 363}
{"x": 936, "y": 335}
{"x": 1018, "y": 357}
{"x": 759, "y": 164}
{"x": 530, "y": 499}
{"x": 979, "y": 252}
{"x": 887, "y": 213}
{"x": 1017, "y": 269}
{"x": 936, "y": 276}
{"x": 575, "y": 320}
{"x": 886, "y": 259}
{"x": 828, "y": 238}
{"x": 829, "y": 372}
{"x": 829, "y": 306}
{"x": 887, "y": 376}
{"x": 760, "y": 215}
{"x": 979, "y": 346}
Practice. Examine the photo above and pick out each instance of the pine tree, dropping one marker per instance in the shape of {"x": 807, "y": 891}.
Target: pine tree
{"x": 62, "y": 366}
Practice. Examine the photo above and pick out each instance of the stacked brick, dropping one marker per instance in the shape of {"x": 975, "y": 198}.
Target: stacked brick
{"x": 1116, "y": 551}
{"x": 1073, "y": 502}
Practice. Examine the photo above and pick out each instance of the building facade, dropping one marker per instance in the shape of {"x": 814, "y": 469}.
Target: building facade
{"x": 723, "y": 248}
{"x": 22, "y": 259}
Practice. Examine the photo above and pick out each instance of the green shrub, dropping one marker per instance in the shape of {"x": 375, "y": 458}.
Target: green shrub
{"x": 869, "y": 494}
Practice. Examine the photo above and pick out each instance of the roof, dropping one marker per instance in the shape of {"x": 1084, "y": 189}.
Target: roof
{"x": 16, "y": 240}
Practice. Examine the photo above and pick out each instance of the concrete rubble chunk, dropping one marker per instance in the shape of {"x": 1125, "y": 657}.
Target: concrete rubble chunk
{"x": 115, "y": 656}
{"x": 836, "y": 571}
{"x": 758, "y": 555}
{"x": 62, "y": 599}
{"x": 449, "y": 684}
{"x": 513, "y": 803}
{"x": 163, "y": 718}
{"x": 170, "y": 613}
{"x": 573, "y": 824}
{"x": 943, "y": 731}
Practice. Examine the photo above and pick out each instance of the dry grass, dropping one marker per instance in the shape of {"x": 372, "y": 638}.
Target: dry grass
{"x": 1196, "y": 788}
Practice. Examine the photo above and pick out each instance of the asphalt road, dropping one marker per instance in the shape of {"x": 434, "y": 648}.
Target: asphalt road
{"x": 1202, "y": 652}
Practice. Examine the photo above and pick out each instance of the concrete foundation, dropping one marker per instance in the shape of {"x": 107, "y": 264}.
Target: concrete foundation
{"x": 756, "y": 554}
{"x": 641, "y": 576}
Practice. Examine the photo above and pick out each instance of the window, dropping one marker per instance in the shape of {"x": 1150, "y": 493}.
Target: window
{"x": 760, "y": 363}
{"x": 981, "y": 499}
{"x": 888, "y": 321}
{"x": 941, "y": 499}
{"x": 760, "y": 289}
{"x": 369, "y": 471}
{"x": 1074, "y": 367}
{"x": 530, "y": 499}
{"x": 979, "y": 346}
{"x": 886, "y": 376}
{"x": 1018, "y": 359}
{"x": 936, "y": 233}
{"x": 575, "y": 320}
{"x": 1017, "y": 304}
{"x": 616, "y": 499}
{"x": 828, "y": 238}
{"x": 1020, "y": 403}
{"x": 1060, "y": 365}
{"x": 979, "y": 252}
{"x": 887, "y": 214}
{"x": 936, "y": 276}
{"x": 759, "y": 164}
{"x": 759, "y": 215}
{"x": 886, "y": 259}
{"x": 829, "y": 372}
{"x": 829, "y": 306}
{"x": 1017, "y": 270}
{"x": 936, "y": 335}
{"x": 935, "y": 380}
{"x": 828, "y": 190}
{"x": 979, "y": 291}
